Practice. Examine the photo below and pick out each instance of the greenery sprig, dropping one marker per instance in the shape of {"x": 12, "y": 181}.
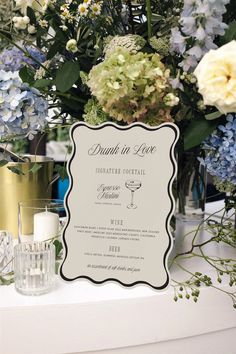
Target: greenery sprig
{"x": 221, "y": 232}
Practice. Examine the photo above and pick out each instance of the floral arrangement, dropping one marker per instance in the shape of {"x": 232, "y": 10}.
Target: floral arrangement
{"x": 127, "y": 61}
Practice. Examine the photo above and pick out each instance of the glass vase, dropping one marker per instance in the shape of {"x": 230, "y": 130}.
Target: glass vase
{"x": 190, "y": 188}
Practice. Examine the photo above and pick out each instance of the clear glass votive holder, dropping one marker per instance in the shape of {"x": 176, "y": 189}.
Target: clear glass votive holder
{"x": 40, "y": 219}
{"x": 6, "y": 252}
{"x": 34, "y": 267}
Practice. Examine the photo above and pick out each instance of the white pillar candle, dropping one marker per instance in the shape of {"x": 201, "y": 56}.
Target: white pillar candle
{"x": 46, "y": 225}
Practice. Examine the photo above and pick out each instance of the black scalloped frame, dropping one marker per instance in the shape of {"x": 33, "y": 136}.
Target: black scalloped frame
{"x": 172, "y": 158}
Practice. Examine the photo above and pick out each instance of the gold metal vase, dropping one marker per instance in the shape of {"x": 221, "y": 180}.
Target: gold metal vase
{"x": 15, "y": 188}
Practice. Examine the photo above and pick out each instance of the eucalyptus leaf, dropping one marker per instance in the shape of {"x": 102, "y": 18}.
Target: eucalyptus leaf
{"x": 57, "y": 266}
{"x": 214, "y": 115}
{"x": 31, "y": 15}
{"x": 61, "y": 170}
{"x": 36, "y": 167}
{"x": 16, "y": 169}
{"x": 67, "y": 75}
{"x": 6, "y": 280}
{"x": 3, "y": 163}
{"x": 58, "y": 246}
{"x": 197, "y": 131}
{"x": 42, "y": 83}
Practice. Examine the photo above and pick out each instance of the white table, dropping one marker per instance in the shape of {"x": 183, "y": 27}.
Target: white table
{"x": 79, "y": 317}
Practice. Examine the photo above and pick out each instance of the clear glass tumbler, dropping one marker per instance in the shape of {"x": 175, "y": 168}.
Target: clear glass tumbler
{"x": 34, "y": 267}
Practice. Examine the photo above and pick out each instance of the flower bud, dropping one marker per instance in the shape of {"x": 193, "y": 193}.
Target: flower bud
{"x": 71, "y": 46}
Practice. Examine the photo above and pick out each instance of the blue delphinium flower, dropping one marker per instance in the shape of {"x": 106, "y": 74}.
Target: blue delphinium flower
{"x": 14, "y": 59}
{"x": 200, "y": 22}
{"x": 220, "y": 148}
{"x": 23, "y": 110}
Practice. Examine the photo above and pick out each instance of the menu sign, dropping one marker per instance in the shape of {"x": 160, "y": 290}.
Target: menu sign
{"x": 119, "y": 204}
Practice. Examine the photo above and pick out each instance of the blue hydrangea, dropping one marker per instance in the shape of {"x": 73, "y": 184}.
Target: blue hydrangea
{"x": 220, "y": 148}
{"x": 23, "y": 110}
{"x": 14, "y": 59}
{"x": 200, "y": 22}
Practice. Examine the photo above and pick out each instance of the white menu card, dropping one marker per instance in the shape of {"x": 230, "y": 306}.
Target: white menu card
{"x": 119, "y": 204}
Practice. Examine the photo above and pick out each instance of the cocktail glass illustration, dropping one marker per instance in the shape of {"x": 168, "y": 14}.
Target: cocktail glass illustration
{"x": 132, "y": 186}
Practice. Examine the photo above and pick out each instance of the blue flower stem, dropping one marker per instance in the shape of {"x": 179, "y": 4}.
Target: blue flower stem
{"x": 149, "y": 18}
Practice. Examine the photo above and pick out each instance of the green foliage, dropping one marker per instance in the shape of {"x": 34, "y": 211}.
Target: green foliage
{"x": 27, "y": 75}
{"x": 42, "y": 83}
{"x": 58, "y": 247}
{"x": 16, "y": 169}
{"x": 53, "y": 50}
{"x": 214, "y": 115}
{"x": 3, "y": 162}
{"x": 35, "y": 168}
{"x": 31, "y": 15}
{"x": 230, "y": 33}
{"x": 222, "y": 232}
{"x": 197, "y": 131}
{"x": 7, "y": 280}
{"x": 67, "y": 76}
{"x": 61, "y": 170}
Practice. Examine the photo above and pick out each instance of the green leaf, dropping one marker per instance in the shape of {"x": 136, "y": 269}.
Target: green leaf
{"x": 197, "y": 131}
{"x": 16, "y": 170}
{"x": 26, "y": 75}
{"x": 66, "y": 76}
{"x": 230, "y": 33}
{"x": 156, "y": 18}
{"x": 31, "y": 15}
{"x": 60, "y": 35}
{"x": 3, "y": 162}
{"x": 35, "y": 168}
{"x": 213, "y": 115}
{"x": 41, "y": 32}
{"x": 7, "y": 280}
{"x": 57, "y": 266}
{"x": 58, "y": 246}
{"x": 61, "y": 170}
{"x": 53, "y": 50}
{"x": 42, "y": 83}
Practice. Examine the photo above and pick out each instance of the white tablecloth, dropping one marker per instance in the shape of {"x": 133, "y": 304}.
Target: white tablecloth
{"x": 79, "y": 317}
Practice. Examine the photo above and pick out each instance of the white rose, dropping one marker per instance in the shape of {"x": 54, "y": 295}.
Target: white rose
{"x": 216, "y": 76}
